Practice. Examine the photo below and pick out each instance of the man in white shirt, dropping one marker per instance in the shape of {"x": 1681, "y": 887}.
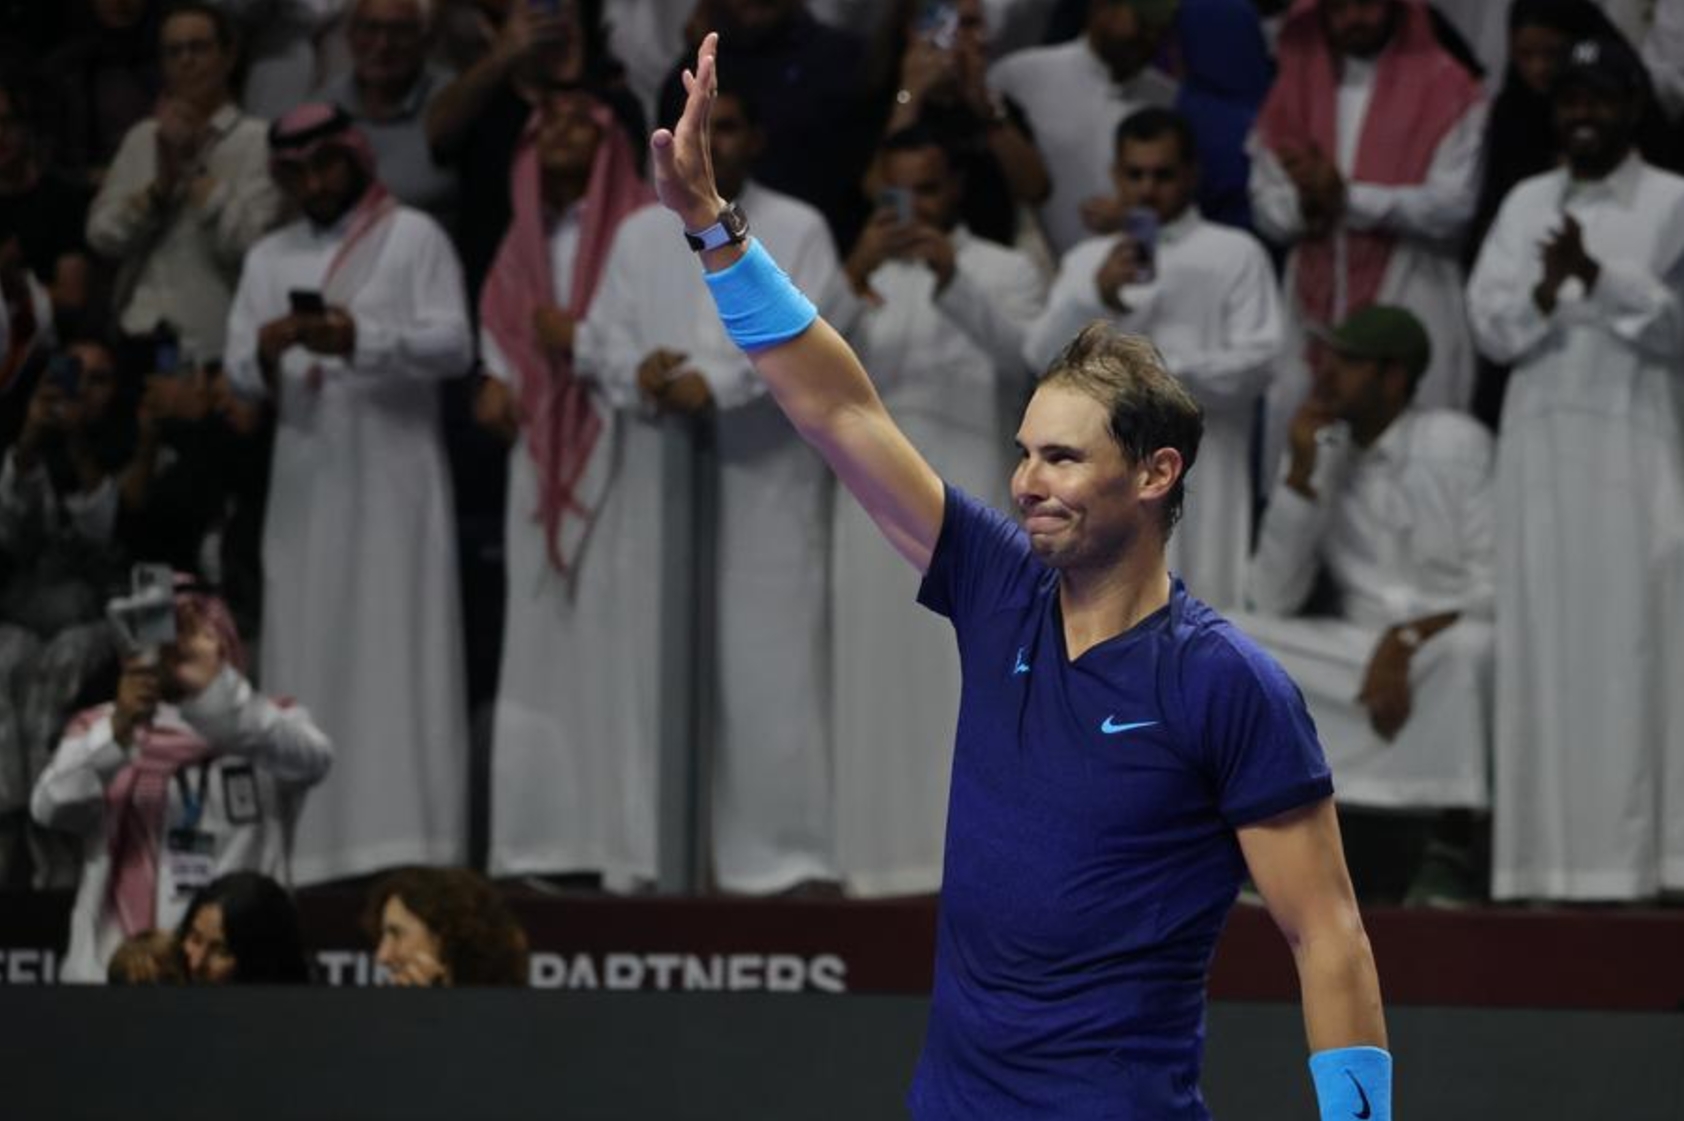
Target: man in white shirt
{"x": 347, "y": 319}
{"x": 654, "y": 324}
{"x": 1578, "y": 287}
{"x": 1205, "y": 295}
{"x": 188, "y": 192}
{"x": 1073, "y": 96}
{"x": 1365, "y": 164}
{"x": 1392, "y": 504}
{"x": 187, "y": 774}
{"x": 942, "y": 333}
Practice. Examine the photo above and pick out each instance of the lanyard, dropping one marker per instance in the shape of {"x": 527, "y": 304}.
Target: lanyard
{"x": 193, "y": 802}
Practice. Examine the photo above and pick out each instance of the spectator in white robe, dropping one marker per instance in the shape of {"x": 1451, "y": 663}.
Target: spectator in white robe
{"x": 1205, "y": 295}
{"x": 1391, "y": 505}
{"x": 289, "y": 50}
{"x": 942, "y": 332}
{"x": 189, "y": 191}
{"x": 1663, "y": 52}
{"x": 1074, "y": 95}
{"x": 1578, "y": 288}
{"x": 1365, "y": 164}
{"x": 360, "y": 608}
{"x": 388, "y": 91}
{"x": 187, "y": 774}
{"x": 772, "y": 786}
{"x": 574, "y": 728}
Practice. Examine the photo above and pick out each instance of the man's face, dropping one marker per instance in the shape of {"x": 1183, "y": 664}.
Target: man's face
{"x": 1358, "y": 28}
{"x": 737, "y": 143}
{"x": 1119, "y": 35}
{"x": 196, "y": 64}
{"x": 937, "y": 189}
{"x": 1537, "y": 54}
{"x": 324, "y": 185}
{"x": 754, "y": 20}
{"x": 1593, "y": 127}
{"x": 387, "y": 40}
{"x": 568, "y": 135}
{"x": 118, "y": 15}
{"x": 1155, "y": 174}
{"x": 1347, "y": 387}
{"x": 1075, "y": 490}
{"x": 209, "y": 959}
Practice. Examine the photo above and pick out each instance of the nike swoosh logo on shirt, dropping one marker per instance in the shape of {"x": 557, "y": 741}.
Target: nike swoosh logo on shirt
{"x": 1111, "y": 728}
{"x": 1363, "y": 1094}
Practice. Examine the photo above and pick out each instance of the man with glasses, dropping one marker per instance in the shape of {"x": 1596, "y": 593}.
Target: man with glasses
{"x": 189, "y": 191}
{"x": 388, "y": 92}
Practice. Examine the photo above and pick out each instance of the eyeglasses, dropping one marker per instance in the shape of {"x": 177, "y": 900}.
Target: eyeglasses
{"x": 189, "y": 48}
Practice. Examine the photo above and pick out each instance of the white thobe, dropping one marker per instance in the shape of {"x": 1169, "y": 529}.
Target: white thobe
{"x": 1423, "y": 273}
{"x": 1214, "y": 314}
{"x": 574, "y": 734}
{"x": 361, "y": 618}
{"x": 772, "y": 783}
{"x": 1074, "y": 106}
{"x": 1663, "y": 53}
{"x": 1403, "y": 529}
{"x": 267, "y": 756}
{"x": 946, "y": 366}
{"x": 1590, "y": 541}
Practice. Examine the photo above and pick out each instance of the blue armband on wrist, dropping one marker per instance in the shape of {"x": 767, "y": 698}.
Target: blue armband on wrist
{"x": 758, "y": 304}
{"x": 1353, "y": 1082}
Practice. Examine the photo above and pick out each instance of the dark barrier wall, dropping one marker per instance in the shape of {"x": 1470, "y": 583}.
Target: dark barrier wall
{"x": 483, "y": 1056}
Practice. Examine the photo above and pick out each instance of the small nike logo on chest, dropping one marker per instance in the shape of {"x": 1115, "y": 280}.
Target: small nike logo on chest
{"x": 1111, "y": 728}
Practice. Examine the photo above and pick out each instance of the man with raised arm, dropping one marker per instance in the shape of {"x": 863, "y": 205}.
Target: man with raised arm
{"x": 1124, "y": 756}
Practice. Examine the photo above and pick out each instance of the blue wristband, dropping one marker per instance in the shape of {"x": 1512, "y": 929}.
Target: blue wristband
{"x": 1353, "y": 1082}
{"x": 758, "y": 304}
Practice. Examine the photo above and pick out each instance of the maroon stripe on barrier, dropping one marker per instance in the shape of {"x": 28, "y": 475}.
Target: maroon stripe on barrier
{"x": 1615, "y": 959}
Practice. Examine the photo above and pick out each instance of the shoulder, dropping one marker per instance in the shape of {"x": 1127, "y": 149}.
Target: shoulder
{"x": 994, "y": 256}
{"x": 1525, "y": 199}
{"x": 1217, "y": 237}
{"x": 1085, "y": 256}
{"x": 1450, "y": 440}
{"x": 417, "y": 228}
{"x": 1037, "y": 60}
{"x": 1215, "y": 654}
{"x": 1664, "y": 187}
{"x": 1153, "y": 87}
{"x": 276, "y": 242}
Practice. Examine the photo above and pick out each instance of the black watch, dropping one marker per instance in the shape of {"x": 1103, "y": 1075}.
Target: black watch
{"x": 731, "y": 229}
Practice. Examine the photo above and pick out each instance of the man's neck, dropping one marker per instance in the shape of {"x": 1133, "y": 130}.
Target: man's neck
{"x": 1118, "y": 76}
{"x": 1590, "y": 172}
{"x": 562, "y": 191}
{"x": 1100, "y": 604}
{"x": 1366, "y": 432}
{"x": 209, "y": 105}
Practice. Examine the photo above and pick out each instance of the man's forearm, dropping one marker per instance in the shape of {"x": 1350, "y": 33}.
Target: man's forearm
{"x": 1340, "y": 989}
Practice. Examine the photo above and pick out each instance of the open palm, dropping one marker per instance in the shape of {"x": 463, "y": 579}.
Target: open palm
{"x": 682, "y": 155}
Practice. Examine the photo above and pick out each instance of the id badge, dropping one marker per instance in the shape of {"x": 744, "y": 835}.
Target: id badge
{"x": 239, "y": 795}
{"x": 191, "y": 854}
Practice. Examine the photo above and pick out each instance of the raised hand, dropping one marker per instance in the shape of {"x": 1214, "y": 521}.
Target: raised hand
{"x": 682, "y": 156}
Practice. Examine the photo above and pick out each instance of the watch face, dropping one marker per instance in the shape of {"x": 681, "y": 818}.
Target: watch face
{"x": 735, "y": 222}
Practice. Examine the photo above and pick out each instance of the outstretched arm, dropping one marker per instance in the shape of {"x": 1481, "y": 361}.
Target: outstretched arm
{"x": 815, "y": 377}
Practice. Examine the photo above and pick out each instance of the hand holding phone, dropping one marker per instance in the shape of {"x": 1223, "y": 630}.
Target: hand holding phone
{"x": 898, "y": 200}
{"x": 306, "y": 301}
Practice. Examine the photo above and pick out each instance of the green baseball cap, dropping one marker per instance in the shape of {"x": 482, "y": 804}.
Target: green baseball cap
{"x": 1381, "y": 332}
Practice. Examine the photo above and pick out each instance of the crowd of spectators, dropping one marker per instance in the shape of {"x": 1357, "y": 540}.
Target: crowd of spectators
{"x": 356, "y": 312}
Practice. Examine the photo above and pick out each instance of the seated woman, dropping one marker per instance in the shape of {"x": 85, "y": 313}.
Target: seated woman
{"x": 444, "y": 927}
{"x": 242, "y": 929}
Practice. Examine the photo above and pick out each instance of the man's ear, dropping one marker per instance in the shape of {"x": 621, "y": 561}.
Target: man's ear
{"x": 1159, "y": 472}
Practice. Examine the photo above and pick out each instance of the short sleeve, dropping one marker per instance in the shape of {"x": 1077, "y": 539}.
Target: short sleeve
{"x": 981, "y": 559}
{"x": 1258, "y": 740}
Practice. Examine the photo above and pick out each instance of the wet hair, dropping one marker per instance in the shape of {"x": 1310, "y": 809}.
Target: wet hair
{"x": 260, "y": 925}
{"x": 1149, "y": 408}
{"x": 1155, "y": 123}
{"x": 480, "y": 941}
